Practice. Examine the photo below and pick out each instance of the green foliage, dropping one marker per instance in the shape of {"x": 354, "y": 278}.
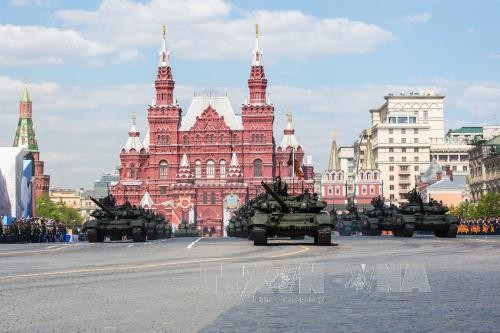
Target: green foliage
{"x": 487, "y": 206}
{"x": 57, "y": 211}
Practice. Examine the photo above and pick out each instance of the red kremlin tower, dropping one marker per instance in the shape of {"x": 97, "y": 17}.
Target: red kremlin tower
{"x": 201, "y": 166}
{"x": 25, "y": 138}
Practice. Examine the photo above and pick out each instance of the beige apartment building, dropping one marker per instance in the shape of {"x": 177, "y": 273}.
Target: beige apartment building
{"x": 403, "y": 129}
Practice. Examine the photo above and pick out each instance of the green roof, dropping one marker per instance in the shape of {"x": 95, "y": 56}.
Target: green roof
{"x": 467, "y": 130}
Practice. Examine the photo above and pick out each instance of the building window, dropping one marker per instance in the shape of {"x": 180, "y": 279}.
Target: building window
{"x": 392, "y": 120}
{"x": 391, "y": 197}
{"x": 391, "y": 140}
{"x": 167, "y": 140}
{"x": 412, "y": 120}
{"x": 222, "y": 168}
{"x": 391, "y": 177}
{"x": 426, "y": 115}
{"x": 222, "y": 138}
{"x": 415, "y": 131}
{"x": 132, "y": 171}
{"x": 185, "y": 140}
{"x": 205, "y": 198}
{"x": 403, "y": 150}
{"x": 197, "y": 169}
{"x": 212, "y": 198}
{"x": 415, "y": 150}
{"x": 363, "y": 189}
{"x": 330, "y": 191}
{"x": 416, "y": 168}
{"x": 415, "y": 158}
{"x": 197, "y": 139}
{"x": 372, "y": 189}
{"x": 391, "y": 159}
{"x": 391, "y": 168}
{"x": 163, "y": 190}
{"x": 257, "y": 168}
{"x": 415, "y": 140}
{"x": 464, "y": 168}
{"x": 403, "y": 158}
{"x": 403, "y": 131}
{"x": 403, "y": 140}
{"x": 391, "y": 131}
{"x": 454, "y": 168}
{"x": 210, "y": 169}
{"x": 235, "y": 138}
{"x": 163, "y": 169}
{"x": 391, "y": 150}
{"x": 337, "y": 190}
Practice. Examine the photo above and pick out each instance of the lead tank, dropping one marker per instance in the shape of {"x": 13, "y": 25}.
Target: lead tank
{"x": 417, "y": 216}
{"x": 114, "y": 221}
{"x": 280, "y": 214}
{"x": 185, "y": 229}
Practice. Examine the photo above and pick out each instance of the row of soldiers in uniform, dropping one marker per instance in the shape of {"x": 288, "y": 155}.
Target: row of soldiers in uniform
{"x": 33, "y": 230}
{"x": 481, "y": 226}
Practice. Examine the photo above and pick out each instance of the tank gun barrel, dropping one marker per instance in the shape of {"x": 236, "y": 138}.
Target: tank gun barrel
{"x": 284, "y": 207}
{"x": 104, "y": 208}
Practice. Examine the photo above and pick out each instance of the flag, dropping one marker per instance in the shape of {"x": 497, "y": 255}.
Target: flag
{"x": 298, "y": 171}
{"x": 290, "y": 158}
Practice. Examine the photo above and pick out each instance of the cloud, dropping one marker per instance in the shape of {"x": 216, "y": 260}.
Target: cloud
{"x": 35, "y": 45}
{"x": 209, "y": 29}
{"x": 415, "y": 19}
{"x": 30, "y": 3}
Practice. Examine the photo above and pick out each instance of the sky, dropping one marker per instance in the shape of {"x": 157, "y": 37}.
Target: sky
{"x": 90, "y": 64}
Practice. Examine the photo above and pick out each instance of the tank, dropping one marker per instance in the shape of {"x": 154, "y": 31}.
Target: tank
{"x": 417, "y": 216}
{"x": 378, "y": 218}
{"x": 115, "y": 222}
{"x": 185, "y": 229}
{"x": 284, "y": 215}
{"x": 352, "y": 222}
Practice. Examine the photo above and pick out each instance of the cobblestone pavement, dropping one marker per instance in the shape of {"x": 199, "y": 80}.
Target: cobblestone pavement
{"x": 362, "y": 284}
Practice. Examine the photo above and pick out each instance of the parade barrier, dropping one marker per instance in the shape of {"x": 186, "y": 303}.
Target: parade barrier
{"x": 490, "y": 226}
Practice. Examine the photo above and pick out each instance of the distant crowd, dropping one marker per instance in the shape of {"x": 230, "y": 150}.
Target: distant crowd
{"x": 33, "y": 230}
{"x": 481, "y": 226}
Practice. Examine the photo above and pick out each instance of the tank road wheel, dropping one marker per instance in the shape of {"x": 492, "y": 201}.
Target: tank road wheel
{"x": 138, "y": 235}
{"x": 324, "y": 236}
{"x": 397, "y": 232}
{"x": 374, "y": 230}
{"x": 92, "y": 235}
{"x": 452, "y": 231}
{"x": 152, "y": 235}
{"x": 259, "y": 236}
{"x": 408, "y": 230}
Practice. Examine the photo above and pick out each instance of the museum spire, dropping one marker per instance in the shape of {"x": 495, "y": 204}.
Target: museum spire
{"x": 164, "y": 83}
{"x": 257, "y": 83}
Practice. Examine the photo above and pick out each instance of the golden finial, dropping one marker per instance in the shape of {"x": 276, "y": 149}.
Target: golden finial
{"x": 257, "y": 31}
{"x": 369, "y": 131}
{"x": 164, "y": 31}
{"x": 134, "y": 117}
{"x": 334, "y": 134}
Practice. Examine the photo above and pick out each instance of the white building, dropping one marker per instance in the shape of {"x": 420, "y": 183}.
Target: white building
{"x": 403, "y": 129}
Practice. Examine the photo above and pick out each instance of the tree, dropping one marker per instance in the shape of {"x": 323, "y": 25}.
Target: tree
{"x": 487, "y": 206}
{"x": 57, "y": 211}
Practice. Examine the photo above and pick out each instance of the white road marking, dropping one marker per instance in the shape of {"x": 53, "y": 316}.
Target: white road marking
{"x": 53, "y": 246}
{"x": 192, "y": 244}
{"x": 130, "y": 245}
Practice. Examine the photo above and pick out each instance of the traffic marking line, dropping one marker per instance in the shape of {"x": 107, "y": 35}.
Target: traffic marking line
{"x": 192, "y": 244}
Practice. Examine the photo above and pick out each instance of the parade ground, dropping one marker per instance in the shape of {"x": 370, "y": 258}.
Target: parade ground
{"x": 383, "y": 284}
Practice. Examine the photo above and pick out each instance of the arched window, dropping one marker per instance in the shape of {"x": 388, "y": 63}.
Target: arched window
{"x": 364, "y": 189}
{"x": 212, "y": 198}
{"x": 167, "y": 140}
{"x": 163, "y": 169}
{"x": 252, "y": 138}
{"x": 197, "y": 139}
{"x": 375, "y": 175}
{"x": 368, "y": 176}
{"x": 222, "y": 138}
{"x": 210, "y": 169}
{"x": 257, "y": 168}
{"x": 197, "y": 169}
{"x": 132, "y": 171}
{"x": 337, "y": 190}
{"x": 372, "y": 189}
{"x": 185, "y": 140}
{"x": 235, "y": 138}
{"x": 222, "y": 170}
